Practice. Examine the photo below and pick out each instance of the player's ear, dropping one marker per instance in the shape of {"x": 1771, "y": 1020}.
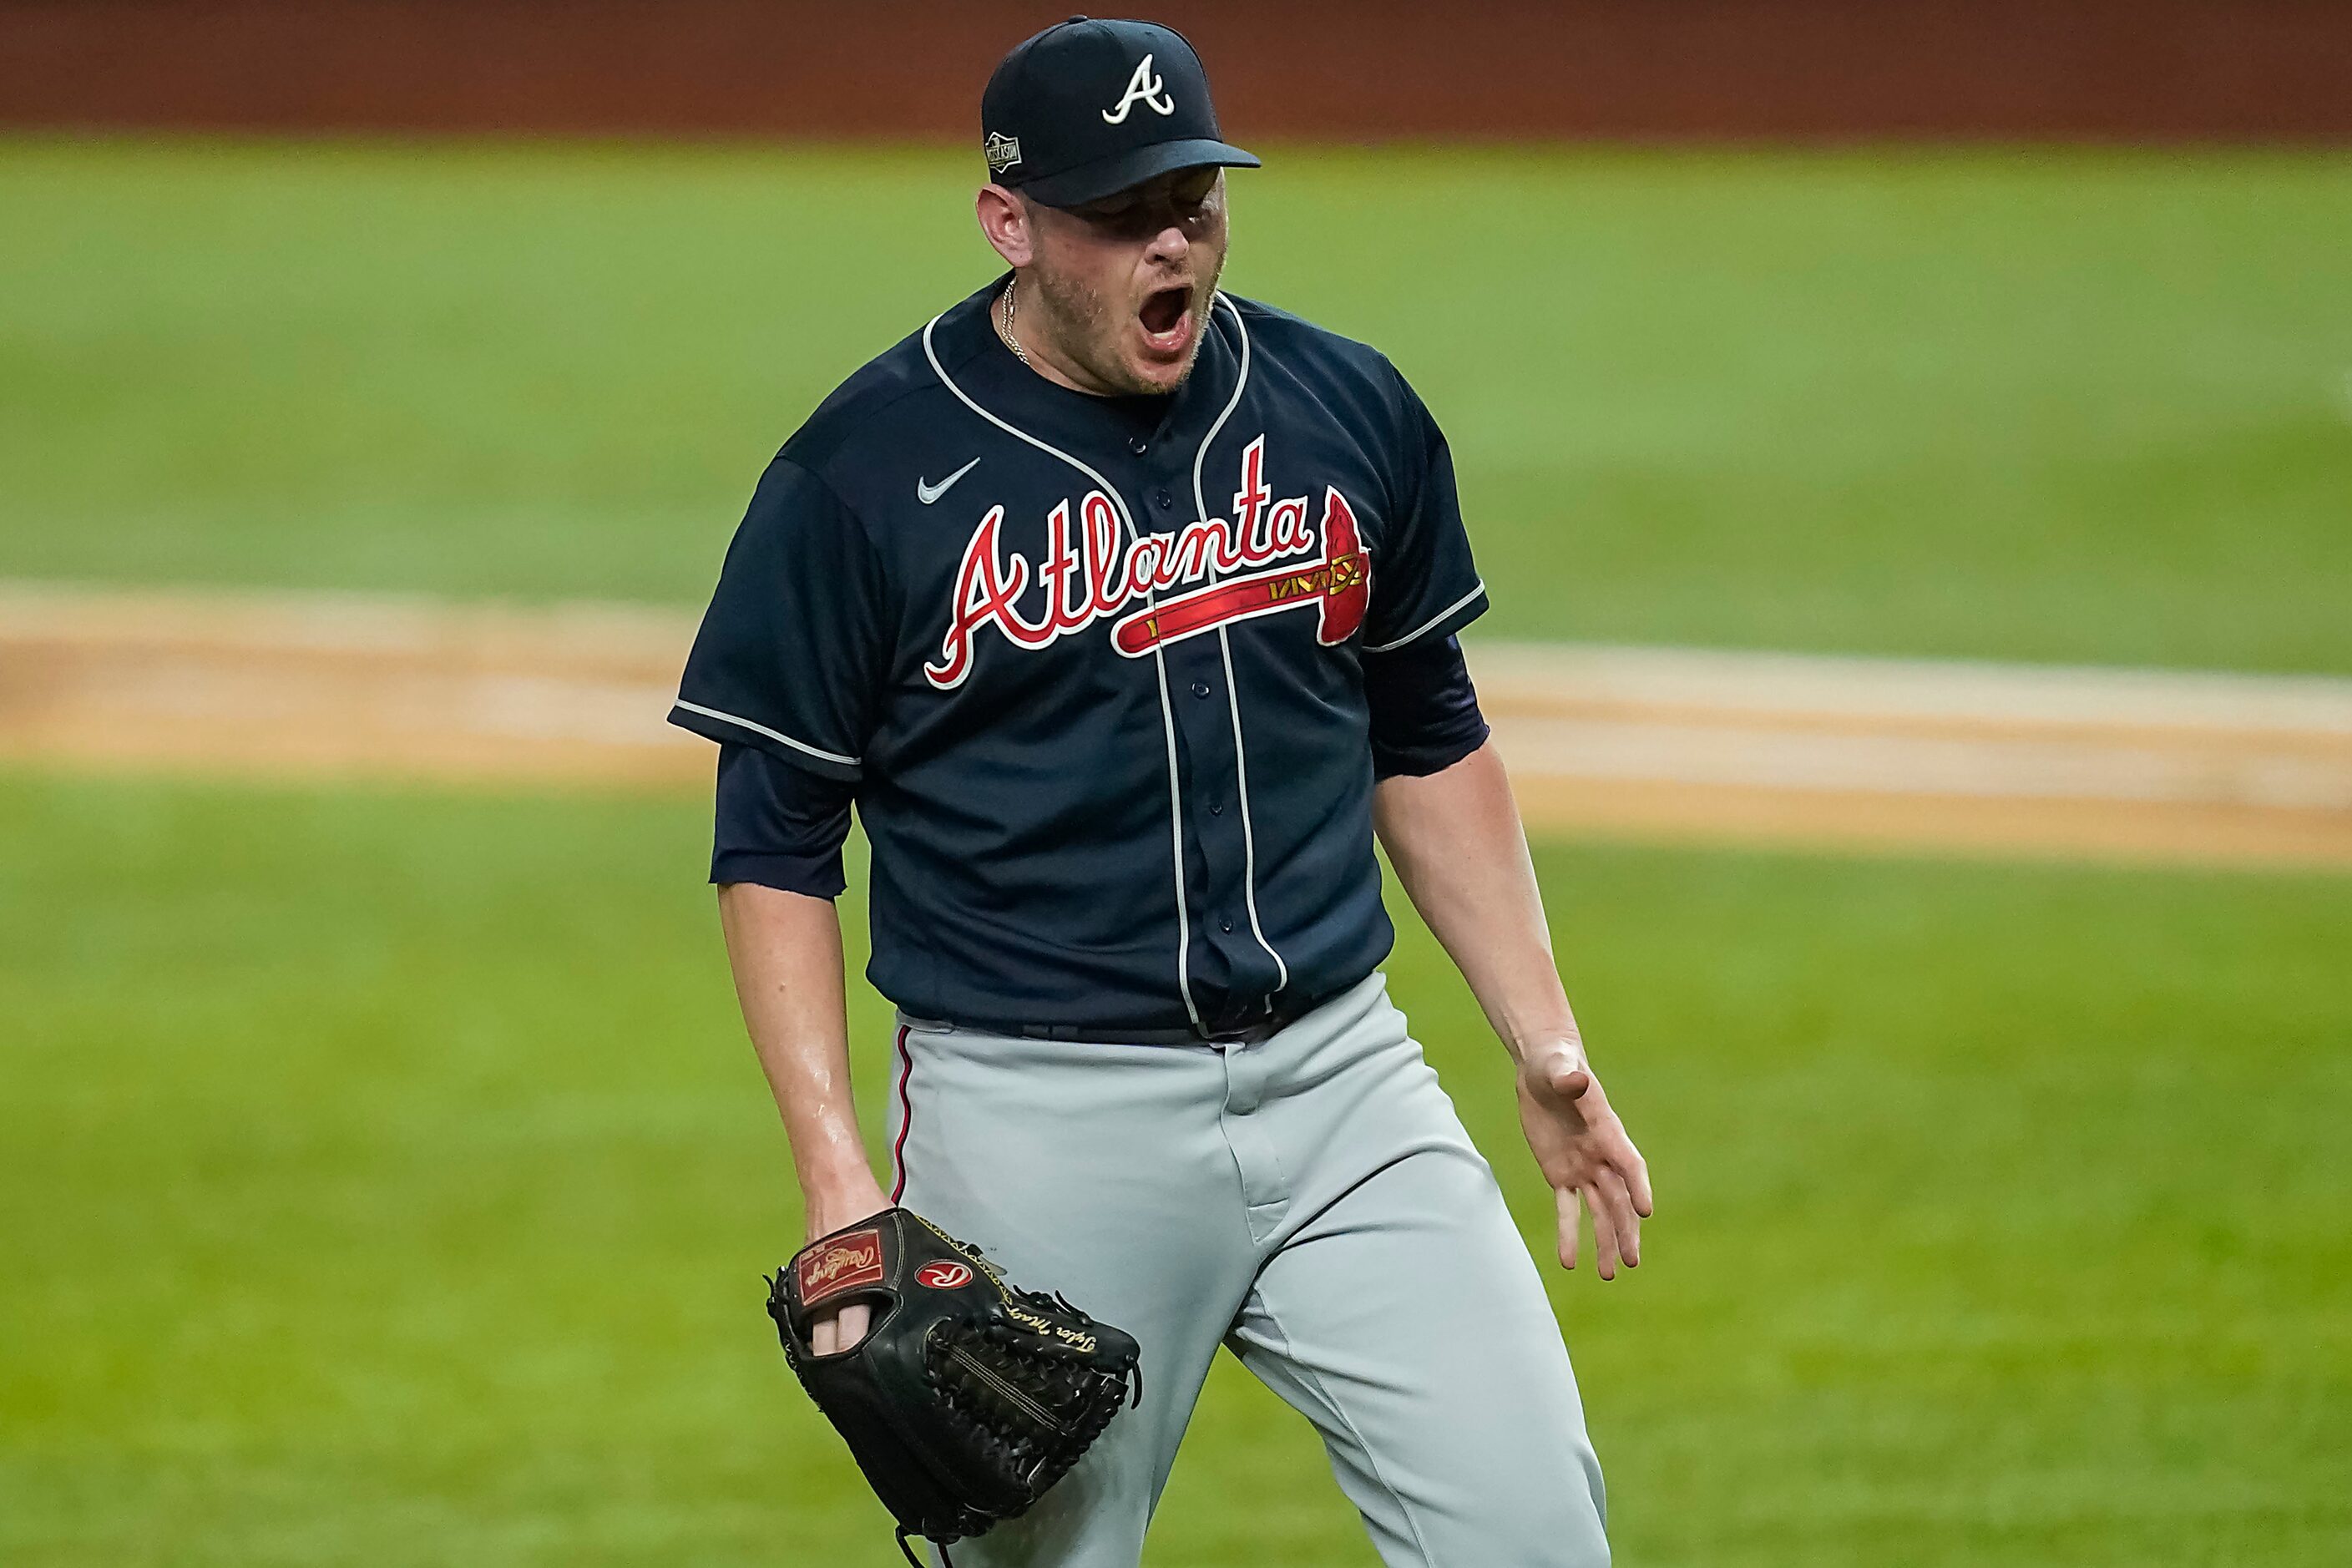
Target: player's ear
{"x": 1005, "y": 221}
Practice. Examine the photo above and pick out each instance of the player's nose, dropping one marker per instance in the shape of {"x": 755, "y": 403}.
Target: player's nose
{"x": 1169, "y": 245}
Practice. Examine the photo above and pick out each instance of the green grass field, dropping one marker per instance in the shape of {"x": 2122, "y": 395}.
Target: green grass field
{"x": 384, "y": 1179}
{"x": 2049, "y": 406}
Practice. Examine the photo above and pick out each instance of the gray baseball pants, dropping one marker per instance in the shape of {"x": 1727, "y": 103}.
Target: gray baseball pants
{"x": 1312, "y": 1204}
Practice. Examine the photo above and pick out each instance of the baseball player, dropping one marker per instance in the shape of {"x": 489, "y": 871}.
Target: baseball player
{"x": 1123, "y": 613}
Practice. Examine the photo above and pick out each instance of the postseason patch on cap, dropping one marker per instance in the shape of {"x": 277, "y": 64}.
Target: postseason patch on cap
{"x": 842, "y": 1263}
{"x": 1003, "y": 151}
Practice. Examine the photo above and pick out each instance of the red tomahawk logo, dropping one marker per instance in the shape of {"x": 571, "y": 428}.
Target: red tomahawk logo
{"x": 1339, "y": 587}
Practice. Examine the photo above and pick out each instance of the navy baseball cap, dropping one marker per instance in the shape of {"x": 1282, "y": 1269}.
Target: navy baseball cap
{"x": 1088, "y": 108}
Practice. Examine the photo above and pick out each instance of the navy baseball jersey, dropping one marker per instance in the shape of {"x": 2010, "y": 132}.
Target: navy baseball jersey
{"x": 1093, "y": 668}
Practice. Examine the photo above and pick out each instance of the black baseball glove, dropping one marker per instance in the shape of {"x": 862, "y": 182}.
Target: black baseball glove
{"x": 967, "y": 1398}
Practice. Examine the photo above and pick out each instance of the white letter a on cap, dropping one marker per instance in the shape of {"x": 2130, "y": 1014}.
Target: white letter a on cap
{"x": 1144, "y": 88}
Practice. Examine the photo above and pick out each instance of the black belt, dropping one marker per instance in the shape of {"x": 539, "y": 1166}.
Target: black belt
{"x": 1280, "y": 1018}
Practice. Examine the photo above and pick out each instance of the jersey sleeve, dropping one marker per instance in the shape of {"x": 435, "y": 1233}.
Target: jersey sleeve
{"x": 795, "y": 646}
{"x": 778, "y": 825}
{"x": 1424, "y": 583}
{"x": 1423, "y": 710}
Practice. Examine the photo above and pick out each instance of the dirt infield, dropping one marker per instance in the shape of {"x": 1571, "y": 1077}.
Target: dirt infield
{"x": 1649, "y": 742}
{"x": 2106, "y": 69}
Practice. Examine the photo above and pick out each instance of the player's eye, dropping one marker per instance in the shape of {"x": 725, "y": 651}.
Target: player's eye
{"x": 1193, "y": 189}
{"x": 1140, "y": 214}
{"x": 1109, "y": 212}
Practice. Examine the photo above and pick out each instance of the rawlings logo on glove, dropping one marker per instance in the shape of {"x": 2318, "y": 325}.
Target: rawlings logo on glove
{"x": 840, "y": 1263}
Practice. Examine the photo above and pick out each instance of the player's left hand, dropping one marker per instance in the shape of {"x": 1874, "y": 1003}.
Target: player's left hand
{"x": 1585, "y": 1155}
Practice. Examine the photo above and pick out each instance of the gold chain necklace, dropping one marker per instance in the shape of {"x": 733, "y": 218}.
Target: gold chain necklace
{"x": 1004, "y": 328}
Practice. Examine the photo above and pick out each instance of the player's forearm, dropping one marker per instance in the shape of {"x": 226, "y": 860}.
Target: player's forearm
{"x": 1457, "y": 845}
{"x": 785, "y": 951}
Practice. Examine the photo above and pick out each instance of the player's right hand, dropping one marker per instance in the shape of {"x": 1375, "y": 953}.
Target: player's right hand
{"x": 832, "y": 1332}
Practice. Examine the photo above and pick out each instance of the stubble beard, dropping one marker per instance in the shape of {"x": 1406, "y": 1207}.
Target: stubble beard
{"x": 1087, "y": 328}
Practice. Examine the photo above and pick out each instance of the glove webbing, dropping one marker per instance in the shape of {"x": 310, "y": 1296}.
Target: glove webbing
{"x": 975, "y": 1385}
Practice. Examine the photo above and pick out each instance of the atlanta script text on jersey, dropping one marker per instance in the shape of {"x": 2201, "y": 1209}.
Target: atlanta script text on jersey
{"x": 1091, "y": 576}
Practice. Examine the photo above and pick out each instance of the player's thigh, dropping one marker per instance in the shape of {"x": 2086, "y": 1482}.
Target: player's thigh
{"x": 1092, "y": 1167}
{"x": 1102, "y": 1176}
{"x": 1408, "y": 1324}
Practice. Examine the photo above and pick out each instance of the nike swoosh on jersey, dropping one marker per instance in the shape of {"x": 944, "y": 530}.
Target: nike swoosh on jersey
{"x": 926, "y": 494}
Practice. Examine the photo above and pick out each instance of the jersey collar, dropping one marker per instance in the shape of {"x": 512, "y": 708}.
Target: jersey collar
{"x": 1103, "y": 431}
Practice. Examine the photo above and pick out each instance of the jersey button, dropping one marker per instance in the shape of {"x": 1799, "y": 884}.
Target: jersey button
{"x": 1216, "y": 808}
{"x": 1226, "y": 926}
{"x": 1200, "y": 688}
{"x": 1138, "y": 446}
{"x": 1162, "y": 499}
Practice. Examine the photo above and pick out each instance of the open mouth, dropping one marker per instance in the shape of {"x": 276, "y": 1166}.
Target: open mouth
{"x": 1166, "y": 318}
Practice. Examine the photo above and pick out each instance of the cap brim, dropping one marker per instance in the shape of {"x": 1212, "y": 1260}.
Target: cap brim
{"x": 1109, "y": 177}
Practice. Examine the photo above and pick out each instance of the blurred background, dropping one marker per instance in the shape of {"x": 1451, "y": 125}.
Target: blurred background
{"x": 1911, "y": 448}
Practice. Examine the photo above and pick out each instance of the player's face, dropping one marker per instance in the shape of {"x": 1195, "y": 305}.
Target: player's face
{"x": 1127, "y": 279}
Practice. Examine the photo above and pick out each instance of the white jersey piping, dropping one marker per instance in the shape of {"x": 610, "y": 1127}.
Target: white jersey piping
{"x": 738, "y": 719}
{"x": 1225, "y": 649}
{"x": 1391, "y": 646}
{"x": 1167, "y": 714}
